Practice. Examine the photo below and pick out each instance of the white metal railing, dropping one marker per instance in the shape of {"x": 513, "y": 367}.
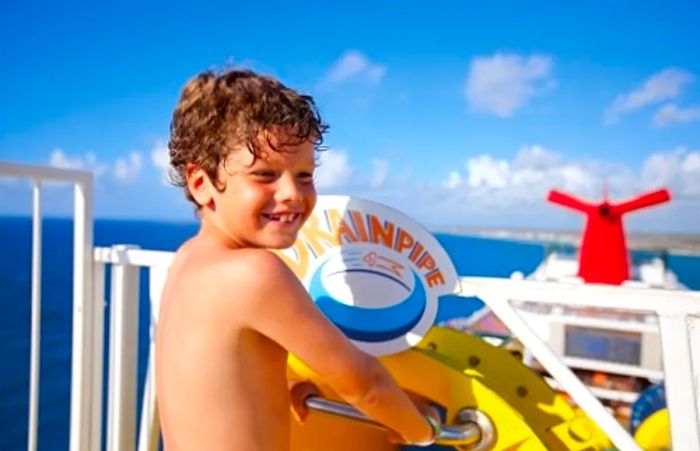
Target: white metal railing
{"x": 85, "y": 403}
{"x": 35, "y": 340}
{"x": 126, "y": 262}
{"x": 679, "y": 324}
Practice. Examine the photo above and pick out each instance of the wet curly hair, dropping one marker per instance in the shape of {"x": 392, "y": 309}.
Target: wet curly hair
{"x": 218, "y": 112}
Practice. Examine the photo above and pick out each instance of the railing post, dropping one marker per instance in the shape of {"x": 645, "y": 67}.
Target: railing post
{"x": 35, "y": 357}
{"x": 82, "y": 353}
{"x": 502, "y": 307}
{"x": 694, "y": 333}
{"x": 679, "y": 381}
{"x": 82, "y": 356}
{"x": 95, "y": 440}
{"x": 123, "y": 352}
{"x": 149, "y": 432}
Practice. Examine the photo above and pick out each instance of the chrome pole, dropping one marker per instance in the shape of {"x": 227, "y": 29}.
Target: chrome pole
{"x": 467, "y": 434}
{"x": 35, "y": 352}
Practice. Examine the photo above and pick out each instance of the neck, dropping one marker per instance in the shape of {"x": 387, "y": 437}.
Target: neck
{"x": 211, "y": 231}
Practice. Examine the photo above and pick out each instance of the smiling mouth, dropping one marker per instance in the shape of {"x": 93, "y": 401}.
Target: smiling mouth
{"x": 285, "y": 218}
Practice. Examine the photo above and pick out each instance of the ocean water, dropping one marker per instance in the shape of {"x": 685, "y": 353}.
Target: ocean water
{"x": 472, "y": 256}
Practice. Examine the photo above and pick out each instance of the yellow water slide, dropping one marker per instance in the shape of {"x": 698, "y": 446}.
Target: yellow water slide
{"x": 472, "y": 381}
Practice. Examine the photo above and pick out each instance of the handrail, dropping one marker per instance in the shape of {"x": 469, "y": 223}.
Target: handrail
{"x": 679, "y": 325}
{"x": 86, "y": 371}
{"x": 498, "y": 293}
{"x": 467, "y": 434}
{"x": 35, "y": 352}
{"x": 44, "y": 173}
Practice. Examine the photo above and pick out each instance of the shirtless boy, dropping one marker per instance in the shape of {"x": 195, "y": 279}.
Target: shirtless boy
{"x": 243, "y": 147}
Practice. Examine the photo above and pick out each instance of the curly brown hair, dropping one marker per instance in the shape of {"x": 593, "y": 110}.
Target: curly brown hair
{"x": 219, "y": 112}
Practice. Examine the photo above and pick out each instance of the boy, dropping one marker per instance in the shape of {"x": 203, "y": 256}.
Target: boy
{"x": 243, "y": 147}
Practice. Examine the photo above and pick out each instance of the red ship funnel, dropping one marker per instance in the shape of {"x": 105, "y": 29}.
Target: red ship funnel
{"x": 603, "y": 257}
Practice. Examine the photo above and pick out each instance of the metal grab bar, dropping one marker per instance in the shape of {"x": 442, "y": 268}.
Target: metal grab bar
{"x": 465, "y": 434}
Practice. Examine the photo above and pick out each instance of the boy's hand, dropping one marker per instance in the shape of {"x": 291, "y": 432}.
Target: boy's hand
{"x": 298, "y": 392}
{"x": 425, "y": 407}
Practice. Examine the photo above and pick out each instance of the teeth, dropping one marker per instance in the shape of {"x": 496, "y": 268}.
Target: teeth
{"x": 284, "y": 218}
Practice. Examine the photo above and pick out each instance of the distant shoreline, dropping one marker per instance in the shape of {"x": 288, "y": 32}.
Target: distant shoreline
{"x": 686, "y": 244}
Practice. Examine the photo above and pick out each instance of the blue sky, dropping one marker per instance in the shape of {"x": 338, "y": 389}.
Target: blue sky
{"x": 457, "y": 113}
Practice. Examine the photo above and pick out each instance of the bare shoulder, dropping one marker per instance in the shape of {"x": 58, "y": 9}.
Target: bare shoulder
{"x": 226, "y": 289}
{"x": 239, "y": 279}
{"x": 254, "y": 260}
{"x": 254, "y": 269}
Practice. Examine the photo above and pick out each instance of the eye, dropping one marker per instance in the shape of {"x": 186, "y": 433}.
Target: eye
{"x": 264, "y": 175}
{"x": 306, "y": 177}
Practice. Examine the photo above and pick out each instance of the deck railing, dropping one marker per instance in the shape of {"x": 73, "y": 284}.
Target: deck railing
{"x": 679, "y": 326}
{"x": 86, "y": 372}
{"x": 679, "y": 322}
{"x": 126, "y": 262}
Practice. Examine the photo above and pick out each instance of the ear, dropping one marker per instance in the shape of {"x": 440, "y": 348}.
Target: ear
{"x": 200, "y": 186}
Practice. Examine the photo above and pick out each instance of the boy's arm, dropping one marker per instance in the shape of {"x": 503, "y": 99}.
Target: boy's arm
{"x": 276, "y": 304}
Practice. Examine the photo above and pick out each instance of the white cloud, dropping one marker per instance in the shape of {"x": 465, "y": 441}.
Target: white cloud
{"x": 59, "y": 159}
{"x": 485, "y": 171}
{"x": 663, "y": 85}
{"x": 523, "y": 182}
{"x": 160, "y": 157}
{"x": 380, "y": 171}
{"x": 453, "y": 180}
{"x": 334, "y": 169}
{"x": 353, "y": 65}
{"x": 510, "y": 192}
{"x": 536, "y": 157}
{"x": 87, "y": 162}
{"x": 678, "y": 169}
{"x": 671, "y": 113}
{"x": 128, "y": 168}
{"x": 527, "y": 177}
{"x": 503, "y": 83}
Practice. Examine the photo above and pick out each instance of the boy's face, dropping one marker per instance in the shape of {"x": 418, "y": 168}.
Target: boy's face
{"x": 266, "y": 200}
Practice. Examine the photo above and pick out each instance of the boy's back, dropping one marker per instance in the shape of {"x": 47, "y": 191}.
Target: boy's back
{"x": 223, "y": 378}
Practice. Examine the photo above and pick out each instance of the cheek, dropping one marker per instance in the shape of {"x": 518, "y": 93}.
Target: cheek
{"x": 309, "y": 193}
{"x": 311, "y": 197}
{"x": 251, "y": 192}
{"x": 247, "y": 200}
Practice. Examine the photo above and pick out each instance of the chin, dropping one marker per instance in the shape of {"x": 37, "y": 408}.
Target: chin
{"x": 281, "y": 242}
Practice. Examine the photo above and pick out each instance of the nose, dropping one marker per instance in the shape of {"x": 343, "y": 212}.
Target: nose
{"x": 289, "y": 189}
